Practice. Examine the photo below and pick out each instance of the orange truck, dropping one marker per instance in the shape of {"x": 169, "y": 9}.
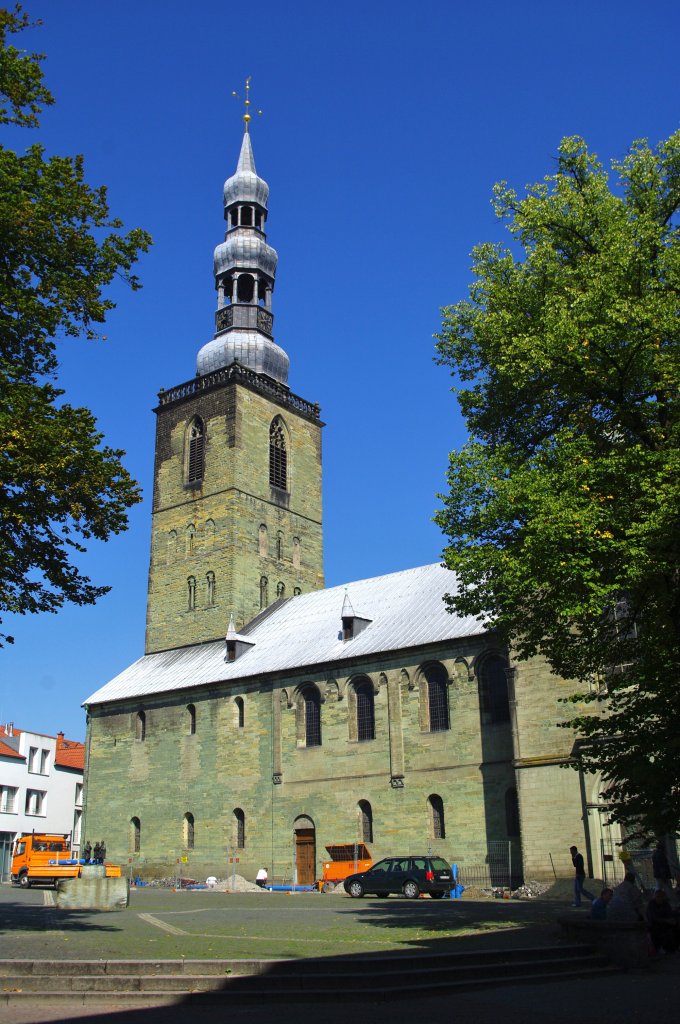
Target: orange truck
{"x": 345, "y": 859}
{"x": 43, "y": 858}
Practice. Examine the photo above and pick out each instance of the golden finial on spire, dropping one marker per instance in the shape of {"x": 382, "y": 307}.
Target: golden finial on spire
{"x": 247, "y": 117}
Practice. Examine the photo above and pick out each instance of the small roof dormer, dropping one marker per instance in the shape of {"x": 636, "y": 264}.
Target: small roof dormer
{"x": 352, "y": 624}
{"x": 236, "y": 643}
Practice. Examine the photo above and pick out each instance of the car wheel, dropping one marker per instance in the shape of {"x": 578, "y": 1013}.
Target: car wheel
{"x": 436, "y": 895}
{"x": 328, "y": 887}
{"x": 411, "y": 890}
{"x": 24, "y": 881}
{"x": 356, "y": 890}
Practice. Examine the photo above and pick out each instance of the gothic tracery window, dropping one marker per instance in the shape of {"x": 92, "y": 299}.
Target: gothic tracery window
{"x": 278, "y": 456}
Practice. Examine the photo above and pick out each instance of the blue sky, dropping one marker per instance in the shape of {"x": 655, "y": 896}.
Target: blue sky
{"x": 385, "y": 126}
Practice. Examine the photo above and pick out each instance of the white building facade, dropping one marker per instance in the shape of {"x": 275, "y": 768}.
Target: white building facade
{"x": 41, "y": 787}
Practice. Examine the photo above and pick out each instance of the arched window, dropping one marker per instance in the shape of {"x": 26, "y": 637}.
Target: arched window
{"x": 245, "y": 286}
{"x": 140, "y": 726}
{"x": 296, "y": 591}
{"x": 239, "y": 829}
{"x": 191, "y": 719}
{"x": 279, "y": 545}
{"x": 309, "y": 717}
{"x": 191, "y": 539}
{"x": 278, "y": 456}
{"x": 493, "y": 690}
{"x": 196, "y": 454}
{"x": 191, "y": 593}
{"x": 263, "y": 541}
{"x": 365, "y": 706}
{"x": 135, "y": 835}
{"x": 437, "y": 825}
{"x": 210, "y": 587}
{"x": 280, "y": 589}
{"x": 264, "y": 592}
{"x": 365, "y": 822}
{"x": 240, "y": 715}
{"x": 189, "y": 831}
{"x": 172, "y": 546}
{"x": 209, "y": 534}
{"x": 437, "y": 698}
{"x": 511, "y": 813}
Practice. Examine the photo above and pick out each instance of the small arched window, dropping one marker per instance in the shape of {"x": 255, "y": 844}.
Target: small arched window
{"x": 278, "y": 456}
{"x": 240, "y": 712}
{"x": 172, "y": 546}
{"x": 140, "y": 726}
{"x": 437, "y": 825}
{"x": 196, "y": 454}
{"x": 191, "y": 719}
{"x": 239, "y": 829}
{"x": 191, "y": 539}
{"x": 245, "y": 287}
{"x": 280, "y": 589}
{"x": 264, "y": 592}
{"x": 263, "y": 541}
{"x": 437, "y": 698}
{"x": 135, "y": 835}
{"x": 512, "y": 813}
{"x": 279, "y": 545}
{"x": 365, "y": 706}
{"x": 189, "y": 831}
{"x": 365, "y": 821}
{"x": 209, "y": 534}
{"x": 493, "y": 691}
{"x": 191, "y": 593}
{"x": 210, "y": 588}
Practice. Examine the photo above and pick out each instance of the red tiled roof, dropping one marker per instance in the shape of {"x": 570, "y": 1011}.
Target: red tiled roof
{"x": 69, "y": 753}
{"x": 6, "y": 751}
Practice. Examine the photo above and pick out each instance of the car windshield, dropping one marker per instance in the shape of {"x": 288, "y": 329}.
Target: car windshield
{"x": 381, "y": 867}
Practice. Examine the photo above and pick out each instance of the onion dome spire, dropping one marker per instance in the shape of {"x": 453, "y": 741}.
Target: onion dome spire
{"x": 245, "y": 268}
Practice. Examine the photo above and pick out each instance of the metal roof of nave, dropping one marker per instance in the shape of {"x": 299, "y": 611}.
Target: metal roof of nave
{"x": 406, "y": 610}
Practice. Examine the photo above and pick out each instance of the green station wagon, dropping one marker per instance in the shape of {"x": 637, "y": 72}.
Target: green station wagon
{"x": 410, "y": 876}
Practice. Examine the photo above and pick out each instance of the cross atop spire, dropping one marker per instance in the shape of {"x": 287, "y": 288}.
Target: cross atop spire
{"x": 247, "y": 116}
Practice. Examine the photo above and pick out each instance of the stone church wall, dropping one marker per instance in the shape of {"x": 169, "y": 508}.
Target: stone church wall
{"x": 264, "y": 770}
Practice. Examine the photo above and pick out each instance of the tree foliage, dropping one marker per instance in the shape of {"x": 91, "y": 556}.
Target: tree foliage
{"x": 59, "y": 249}
{"x": 563, "y": 510}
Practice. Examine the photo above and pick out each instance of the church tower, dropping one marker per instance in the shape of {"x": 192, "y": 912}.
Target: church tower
{"x": 236, "y": 520}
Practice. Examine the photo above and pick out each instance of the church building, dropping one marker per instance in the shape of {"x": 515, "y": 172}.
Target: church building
{"x": 269, "y": 717}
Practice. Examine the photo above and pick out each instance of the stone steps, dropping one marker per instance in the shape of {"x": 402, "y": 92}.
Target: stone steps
{"x": 148, "y": 981}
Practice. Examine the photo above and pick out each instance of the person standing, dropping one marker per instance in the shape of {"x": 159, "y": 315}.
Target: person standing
{"x": 579, "y": 877}
{"x": 261, "y": 878}
{"x": 661, "y": 869}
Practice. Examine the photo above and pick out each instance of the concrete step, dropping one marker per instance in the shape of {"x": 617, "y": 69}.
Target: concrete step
{"x": 154, "y": 981}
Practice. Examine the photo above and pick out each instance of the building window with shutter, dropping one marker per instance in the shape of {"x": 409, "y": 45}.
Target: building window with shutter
{"x": 278, "y": 456}
{"x": 196, "y": 453}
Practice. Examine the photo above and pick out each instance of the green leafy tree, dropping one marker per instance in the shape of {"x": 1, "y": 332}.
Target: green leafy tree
{"x": 59, "y": 249}
{"x": 563, "y": 512}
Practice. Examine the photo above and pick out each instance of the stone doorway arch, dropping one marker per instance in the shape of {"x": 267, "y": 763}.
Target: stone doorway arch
{"x": 304, "y": 831}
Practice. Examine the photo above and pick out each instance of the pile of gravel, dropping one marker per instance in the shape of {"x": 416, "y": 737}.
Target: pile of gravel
{"x": 530, "y": 890}
{"x": 236, "y": 883}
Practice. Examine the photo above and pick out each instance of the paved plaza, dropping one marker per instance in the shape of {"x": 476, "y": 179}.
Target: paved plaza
{"x": 161, "y": 924}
